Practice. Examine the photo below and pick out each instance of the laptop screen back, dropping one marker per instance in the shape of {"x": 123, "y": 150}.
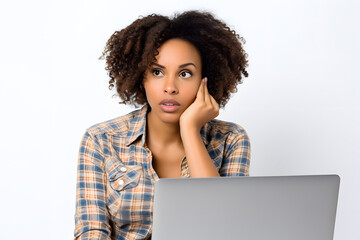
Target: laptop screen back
{"x": 251, "y": 208}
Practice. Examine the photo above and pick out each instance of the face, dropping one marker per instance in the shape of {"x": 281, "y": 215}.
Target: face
{"x": 172, "y": 82}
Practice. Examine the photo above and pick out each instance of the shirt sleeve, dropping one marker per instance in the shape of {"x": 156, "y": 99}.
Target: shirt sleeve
{"x": 236, "y": 160}
{"x": 91, "y": 215}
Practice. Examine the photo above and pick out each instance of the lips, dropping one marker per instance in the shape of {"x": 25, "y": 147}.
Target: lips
{"x": 169, "y": 105}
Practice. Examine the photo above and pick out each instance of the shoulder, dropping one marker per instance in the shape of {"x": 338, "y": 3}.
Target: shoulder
{"x": 216, "y": 126}
{"x": 116, "y": 126}
{"x": 218, "y": 132}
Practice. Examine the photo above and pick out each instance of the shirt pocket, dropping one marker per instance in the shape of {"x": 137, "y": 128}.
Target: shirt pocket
{"x": 121, "y": 176}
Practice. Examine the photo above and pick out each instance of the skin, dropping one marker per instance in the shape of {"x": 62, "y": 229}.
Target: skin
{"x": 176, "y": 75}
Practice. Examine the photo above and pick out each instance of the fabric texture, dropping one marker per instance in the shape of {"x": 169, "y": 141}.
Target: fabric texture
{"x": 115, "y": 177}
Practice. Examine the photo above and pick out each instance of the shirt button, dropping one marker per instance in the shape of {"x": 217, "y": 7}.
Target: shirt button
{"x": 121, "y": 182}
{"x": 123, "y": 169}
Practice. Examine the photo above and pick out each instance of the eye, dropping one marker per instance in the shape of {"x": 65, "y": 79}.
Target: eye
{"x": 185, "y": 74}
{"x": 156, "y": 72}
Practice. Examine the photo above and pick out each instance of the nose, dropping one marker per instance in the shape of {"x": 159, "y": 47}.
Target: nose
{"x": 170, "y": 86}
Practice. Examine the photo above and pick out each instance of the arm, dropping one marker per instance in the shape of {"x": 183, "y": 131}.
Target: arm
{"x": 199, "y": 162}
{"x": 91, "y": 217}
{"x": 202, "y": 110}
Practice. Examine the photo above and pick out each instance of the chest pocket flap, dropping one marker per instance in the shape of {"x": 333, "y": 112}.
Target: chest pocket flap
{"x": 121, "y": 176}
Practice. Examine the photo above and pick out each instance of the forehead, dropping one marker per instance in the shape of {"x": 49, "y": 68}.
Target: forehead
{"x": 177, "y": 50}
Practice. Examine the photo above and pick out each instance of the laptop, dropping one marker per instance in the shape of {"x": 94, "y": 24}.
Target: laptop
{"x": 250, "y": 208}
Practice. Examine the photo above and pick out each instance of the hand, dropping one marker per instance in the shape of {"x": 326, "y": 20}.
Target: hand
{"x": 202, "y": 110}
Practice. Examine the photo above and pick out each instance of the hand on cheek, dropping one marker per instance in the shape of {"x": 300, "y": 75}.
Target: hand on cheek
{"x": 202, "y": 110}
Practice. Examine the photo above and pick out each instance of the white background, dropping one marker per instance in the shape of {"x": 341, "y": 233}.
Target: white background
{"x": 300, "y": 104}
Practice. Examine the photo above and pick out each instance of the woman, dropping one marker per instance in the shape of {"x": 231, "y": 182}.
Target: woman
{"x": 181, "y": 70}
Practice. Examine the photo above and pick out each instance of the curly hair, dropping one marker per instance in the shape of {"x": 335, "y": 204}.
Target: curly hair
{"x": 132, "y": 50}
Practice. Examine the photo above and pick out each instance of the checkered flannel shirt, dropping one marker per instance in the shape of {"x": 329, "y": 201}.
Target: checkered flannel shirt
{"x": 115, "y": 177}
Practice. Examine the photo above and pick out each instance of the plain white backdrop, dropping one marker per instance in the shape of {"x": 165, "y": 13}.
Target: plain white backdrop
{"x": 300, "y": 104}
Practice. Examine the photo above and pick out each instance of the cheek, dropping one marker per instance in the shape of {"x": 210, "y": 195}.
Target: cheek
{"x": 191, "y": 93}
{"x": 151, "y": 91}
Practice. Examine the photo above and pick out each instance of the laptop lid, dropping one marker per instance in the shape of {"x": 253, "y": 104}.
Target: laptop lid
{"x": 251, "y": 208}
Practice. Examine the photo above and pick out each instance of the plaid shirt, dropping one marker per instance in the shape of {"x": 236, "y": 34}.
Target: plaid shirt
{"x": 115, "y": 177}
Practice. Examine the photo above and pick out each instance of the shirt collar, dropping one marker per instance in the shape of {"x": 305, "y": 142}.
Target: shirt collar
{"x": 205, "y": 133}
{"x": 137, "y": 126}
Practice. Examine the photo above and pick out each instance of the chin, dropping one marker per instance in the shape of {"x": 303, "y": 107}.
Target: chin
{"x": 166, "y": 117}
{"x": 170, "y": 118}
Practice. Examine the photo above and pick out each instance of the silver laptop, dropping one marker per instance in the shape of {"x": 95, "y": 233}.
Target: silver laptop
{"x": 250, "y": 208}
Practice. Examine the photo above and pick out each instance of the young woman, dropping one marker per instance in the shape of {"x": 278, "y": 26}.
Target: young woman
{"x": 180, "y": 70}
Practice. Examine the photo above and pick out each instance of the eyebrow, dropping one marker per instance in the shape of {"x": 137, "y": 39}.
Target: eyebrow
{"x": 181, "y": 66}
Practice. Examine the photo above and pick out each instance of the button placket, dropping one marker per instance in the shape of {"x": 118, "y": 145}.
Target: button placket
{"x": 151, "y": 169}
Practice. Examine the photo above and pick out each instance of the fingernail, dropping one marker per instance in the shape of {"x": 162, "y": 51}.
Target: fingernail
{"x": 205, "y": 79}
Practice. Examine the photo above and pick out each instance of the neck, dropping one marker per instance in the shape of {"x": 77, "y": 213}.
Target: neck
{"x": 162, "y": 133}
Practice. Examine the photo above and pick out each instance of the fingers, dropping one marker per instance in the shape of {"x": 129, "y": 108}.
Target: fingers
{"x": 206, "y": 93}
{"x": 201, "y": 92}
{"x": 215, "y": 106}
